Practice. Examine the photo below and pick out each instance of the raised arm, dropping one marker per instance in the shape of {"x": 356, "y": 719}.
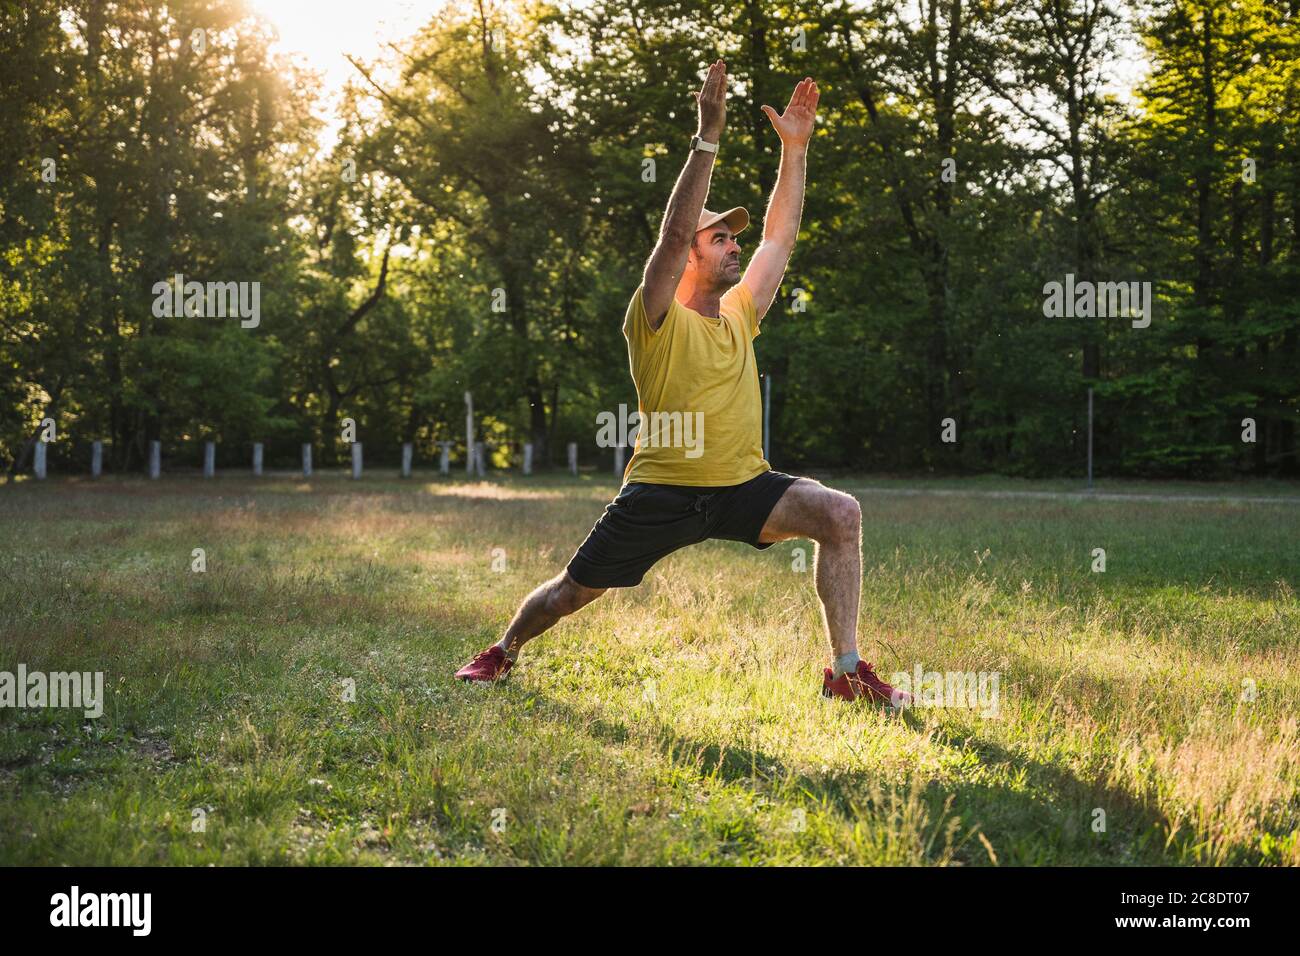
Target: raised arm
{"x": 781, "y": 224}
{"x": 664, "y": 268}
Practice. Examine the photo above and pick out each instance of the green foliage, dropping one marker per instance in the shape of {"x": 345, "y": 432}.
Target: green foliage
{"x": 483, "y": 212}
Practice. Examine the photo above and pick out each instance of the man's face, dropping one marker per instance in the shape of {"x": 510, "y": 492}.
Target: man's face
{"x": 716, "y": 256}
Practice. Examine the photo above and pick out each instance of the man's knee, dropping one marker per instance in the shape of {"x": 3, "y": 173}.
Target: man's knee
{"x": 567, "y": 595}
{"x": 841, "y": 518}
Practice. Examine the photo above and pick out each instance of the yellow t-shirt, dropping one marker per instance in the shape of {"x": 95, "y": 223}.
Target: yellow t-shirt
{"x": 700, "y": 413}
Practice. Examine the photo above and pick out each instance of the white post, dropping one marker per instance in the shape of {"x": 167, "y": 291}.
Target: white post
{"x": 573, "y": 457}
{"x": 257, "y": 459}
{"x": 209, "y": 459}
{"x": 469, "y": 434}
{"x": 356, "y": 459}
{"x": 767, "y": 416}
{"x": 155, "y": 458}
{"x": 444, "y": 458}
{"x": 38, "y": 464}
{"x": 306, "y": 459}
{"x": 96, "y": 459}
{"x": 618, "y": 460}
{"x": 478, "y": 458}
{"x": 407, "y": 452}
{"x": 528, "y": 458}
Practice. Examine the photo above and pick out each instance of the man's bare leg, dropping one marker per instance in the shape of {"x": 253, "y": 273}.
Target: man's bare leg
{"x": 833, "y": 520}
{"x": 557, "y": 598}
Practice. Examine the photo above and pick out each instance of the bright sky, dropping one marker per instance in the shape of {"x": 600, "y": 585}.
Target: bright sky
{"x": 322, "y": 31}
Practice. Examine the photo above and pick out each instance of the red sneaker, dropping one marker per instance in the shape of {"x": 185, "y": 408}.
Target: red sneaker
{"x": 488, "y": 666}
{"x": 863, "y": 685}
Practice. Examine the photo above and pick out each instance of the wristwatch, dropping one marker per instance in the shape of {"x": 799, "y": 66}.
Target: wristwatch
{"x": 702, "y": 146}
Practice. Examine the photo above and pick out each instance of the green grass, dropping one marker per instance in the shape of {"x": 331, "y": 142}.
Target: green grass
{"x": 674, "y": 723}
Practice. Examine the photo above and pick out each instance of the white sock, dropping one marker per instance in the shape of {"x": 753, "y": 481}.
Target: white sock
{"x": 512, "y": 654}
{"x": 845, "y": 664}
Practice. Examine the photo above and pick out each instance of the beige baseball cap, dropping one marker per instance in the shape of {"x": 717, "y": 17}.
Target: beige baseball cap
{"x": 736, "y": 218}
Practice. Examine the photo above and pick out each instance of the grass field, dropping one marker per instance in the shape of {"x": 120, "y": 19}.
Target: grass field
{"x": 678, "y": 722}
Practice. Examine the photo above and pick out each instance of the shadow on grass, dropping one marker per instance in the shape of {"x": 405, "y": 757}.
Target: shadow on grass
{"x": 1040, "y": 814}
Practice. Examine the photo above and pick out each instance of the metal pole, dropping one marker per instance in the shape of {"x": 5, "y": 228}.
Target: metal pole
{"x": 469, "y": 434}
{"x": 1090, "y": 439}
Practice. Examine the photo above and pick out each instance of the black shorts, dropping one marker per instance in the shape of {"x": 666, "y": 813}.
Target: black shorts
{"x": 647, "y": 522}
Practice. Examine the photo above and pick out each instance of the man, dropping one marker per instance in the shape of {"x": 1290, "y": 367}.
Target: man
{"x": 698, "y": 471}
